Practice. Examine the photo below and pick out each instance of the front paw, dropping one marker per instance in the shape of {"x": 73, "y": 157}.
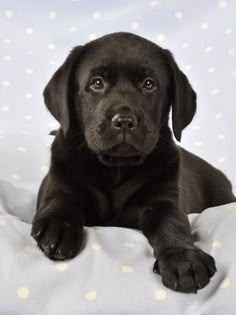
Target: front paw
{"x": 58, "y": 237}
{"x": 185, "y": 270}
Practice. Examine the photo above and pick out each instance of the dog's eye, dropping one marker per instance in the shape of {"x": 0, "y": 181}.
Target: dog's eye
{"x": 97, "y": 84}
{"x": 149, "y": 85}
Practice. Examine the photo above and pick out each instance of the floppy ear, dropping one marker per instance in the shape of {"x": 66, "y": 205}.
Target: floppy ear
{"x": 183, "y": 98}
{"x": 56, "y": 93}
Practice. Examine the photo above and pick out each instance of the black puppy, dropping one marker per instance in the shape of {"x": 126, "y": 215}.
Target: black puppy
{"x": 114, "y": 161}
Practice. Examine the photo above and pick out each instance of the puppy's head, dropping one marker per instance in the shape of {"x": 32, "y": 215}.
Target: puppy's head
{"x": 118, "y": 91}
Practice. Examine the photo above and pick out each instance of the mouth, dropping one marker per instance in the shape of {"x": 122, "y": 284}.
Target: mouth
{"x": 121, "y": 155}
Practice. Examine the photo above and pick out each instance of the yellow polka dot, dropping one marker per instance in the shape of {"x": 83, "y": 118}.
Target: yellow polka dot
{"x": 2, "y": 222}
{"x": 28, "y": 117}
{"x": 221, "y": 136}
{"x": 8, "y": 13}
{"x": 92, "y": 36}
{"x": 6, "y": 83}
{"x": 31, "y": 249}
{"x": 160, "y": 295}
{"x": 217, "y": 244}
{"x": 204, "y": 26}
{"x": 225, "y": 284}
{"x": 96, "y": 15}
{"x": 72, "y": 29}
{"x": 222, "y": 4}
{"x": 61, "y": 266}
{"x": 22, "y": 149}
{"x": 91, "y": 295}
{"x": 15, "y": 177}
{"x": 52, "y": 15}
{"x": 7, "y": 41}
{"x": 126, "y": 268}
{"x": 51, "y": 46}
{"x": 135, "y": 25}
{"x": 96, "y": 246}
{"x": 28, "y": 95}
{"x": 231, "y": 206}
{"x": 29, "y": 30}
{"x": 129, "y": 245}
{"x": 5, "y": 108}
{"x": 44, "y": 169}
{"x": 228, "y": 31}
{"x": 23, "y": 293}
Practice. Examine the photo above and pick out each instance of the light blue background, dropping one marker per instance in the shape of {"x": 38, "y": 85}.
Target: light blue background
{"x": 36, "y": 36}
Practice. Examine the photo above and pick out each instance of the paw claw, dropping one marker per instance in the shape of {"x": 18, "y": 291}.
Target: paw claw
{"x": 176, "y": 285}
{"x": 38, "y": 233}
{"x": 154, "y": 270}
{"x": 52, "y": 246}
{"x": 156, "y": 267}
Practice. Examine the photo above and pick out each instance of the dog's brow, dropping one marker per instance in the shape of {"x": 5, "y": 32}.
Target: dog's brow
{"x": 142, "y": 70}
{"x": 100, "y": 70}
{"x": 145, "y": 70}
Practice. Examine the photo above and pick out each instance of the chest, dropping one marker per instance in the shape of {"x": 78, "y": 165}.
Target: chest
{"x": 121, "y": 206}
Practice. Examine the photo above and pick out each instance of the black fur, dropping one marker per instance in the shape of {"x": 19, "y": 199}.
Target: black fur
{"x": 128, "y": 175}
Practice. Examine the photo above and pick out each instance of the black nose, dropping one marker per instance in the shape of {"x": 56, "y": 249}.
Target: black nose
{"x": 124, "y": 122}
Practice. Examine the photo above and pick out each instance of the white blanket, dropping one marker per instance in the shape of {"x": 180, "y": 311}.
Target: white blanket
{"x": 103, "y": 279}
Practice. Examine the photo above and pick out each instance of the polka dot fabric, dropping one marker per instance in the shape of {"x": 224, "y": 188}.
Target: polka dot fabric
{"x": 37, "y": 36}
{"x": 108, "y": 279}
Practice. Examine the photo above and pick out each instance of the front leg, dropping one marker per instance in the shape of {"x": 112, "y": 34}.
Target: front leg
{"x": 58, "y": 224}
{"x": 182, "y": 266}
